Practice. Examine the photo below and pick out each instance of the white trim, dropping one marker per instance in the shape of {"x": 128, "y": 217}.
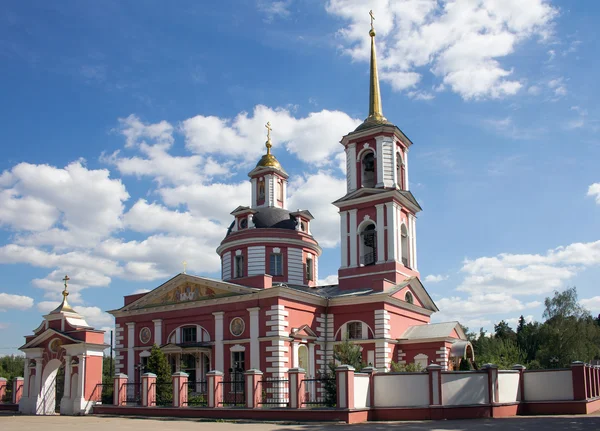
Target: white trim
{"x": 344, "y": 238}
{"x": 379, "y": 228}
{"x": 353, "y": 238}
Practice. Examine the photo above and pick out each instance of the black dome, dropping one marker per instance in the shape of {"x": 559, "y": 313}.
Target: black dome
{"x": 277, "y": 218}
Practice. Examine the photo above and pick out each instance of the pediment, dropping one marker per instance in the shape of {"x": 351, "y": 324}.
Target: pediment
{"x": 416, "y": 288}
{"x": 41, "y": 339}
{"x": 185, "y": 288}
{"x": 303, "y": 332}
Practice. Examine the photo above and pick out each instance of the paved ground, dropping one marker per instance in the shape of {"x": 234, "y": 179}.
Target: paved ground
{"x": 97, "y": 423}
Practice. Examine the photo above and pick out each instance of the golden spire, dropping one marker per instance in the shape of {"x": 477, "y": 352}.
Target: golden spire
{"x": 269, "y": 160}
{"x": 64, "y": 306}
{"x": 375, "y": 111}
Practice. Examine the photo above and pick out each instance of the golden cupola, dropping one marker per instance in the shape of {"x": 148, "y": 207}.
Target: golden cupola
{"x": 269, "y": 160}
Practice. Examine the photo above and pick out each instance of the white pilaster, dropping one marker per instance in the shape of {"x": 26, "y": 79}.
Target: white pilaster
{"x": 81, "y": 377}
{"x": 254, "y": 183}
{"x": 130, "y": 351}
{"x": 344, "y": 237}
{"x": 413, "y": 240}
{"x": 380, "y": 234}
{"x": 311, "y": 360}
{"x": 67, "y": 382}
{"x": 284, "y": 202}
{"x": 269, "y": 189}
{"x": 158, "y": 332}
{"x": 219, "y": 354}
{"x": 353, "y": 239}
{"x": 379, "y": 160}
{"x": 392, "y": 233}
{"x": 406, "y": 169}
{"x": 351, "y": 167}
{"x": 254, "y": 334}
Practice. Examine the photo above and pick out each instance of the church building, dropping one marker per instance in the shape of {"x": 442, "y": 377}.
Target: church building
{"x": 268, "y": 313}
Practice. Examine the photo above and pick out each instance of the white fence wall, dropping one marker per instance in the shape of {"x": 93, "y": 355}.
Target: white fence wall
{"x": 555, "y": 385}
{"x": 464, "y": 388}
{"x": 401, "y": 390}
{"x": 361, "y": 391}
{"x": 508, "y": 386}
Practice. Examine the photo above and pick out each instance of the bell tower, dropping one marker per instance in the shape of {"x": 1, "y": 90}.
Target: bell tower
{"x": 378, "y": 212}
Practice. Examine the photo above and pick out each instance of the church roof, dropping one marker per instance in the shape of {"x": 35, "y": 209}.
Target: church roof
{"x": 432, "y": 330}
{"x": 278, "y": 218}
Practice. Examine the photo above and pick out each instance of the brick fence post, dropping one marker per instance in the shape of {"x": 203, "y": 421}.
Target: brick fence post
{"x": 344, "y": 379}
{"x": 215, "y": 389}
{"x": 297, "y": 392}
{"x": 253, "y": 388}
{"x": 492, "y": 371}
{"x": 579, "y": 383}
{"x": 148, "y": 390}
{"x": 120, "y": 389}
{"x": 180, "y": 389}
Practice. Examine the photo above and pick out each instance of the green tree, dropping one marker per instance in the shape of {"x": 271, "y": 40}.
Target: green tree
{"x": 569, "y": 332}
{"x": 521, "y": 324}
{"x": 159, "y": 365}
{"x": 413, "y": 367}
{"x": 503, "y": 331}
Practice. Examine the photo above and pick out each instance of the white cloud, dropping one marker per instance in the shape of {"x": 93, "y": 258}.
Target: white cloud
{"x": 70, "y": 204}
{"x": 431, "y": 278}
{"x": 459, "y": 41}
{"x": 315, "y": 193}
{"x": 140, "y": 291}
{"x": 18, "y": 302}
{"x": 274, "y": 9}
{"x": 558, "y": 86}
{"x": 329, "y": 280}
{"x": 594, "y": 190}
{"x": 592, "y": 304}
{"x": 313, "y": 139}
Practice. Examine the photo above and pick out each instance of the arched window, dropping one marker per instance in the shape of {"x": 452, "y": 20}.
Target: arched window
{"x": 409, "y": 298}
{"x": 261, "y": 189}
{"x": 280, "y": 190}
{"x": 399, "y": 171}
{"x": 368, "y": 245}
{"x": 368, "y": 170}
{"x": 404, "y": 244}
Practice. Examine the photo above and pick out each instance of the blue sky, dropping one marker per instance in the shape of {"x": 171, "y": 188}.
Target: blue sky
{"x": 128, "y": 133}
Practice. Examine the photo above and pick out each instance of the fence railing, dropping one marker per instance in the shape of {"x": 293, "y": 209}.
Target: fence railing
{"x": 234, "y": 393}
{"x": 319, "y": 392}
{"x": 275, "y": 393}
{"x": 164, "y": 394}
{"x": 197, "y": 394}
{"x": 103, "y": 393}
{"x": 7, "y": 398}
{"x": 133, "y": 393}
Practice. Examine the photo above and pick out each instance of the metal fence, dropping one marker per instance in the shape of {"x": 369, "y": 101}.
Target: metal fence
{"x": 103, "y": 393}
{"x": 133, "y": 393}
{"x": 164, "y": 394}
{"x": 7, "y": 398}
{"x": 275, "y": 392}
{"x": 319, "y": 392}
{"x": 197, "y": 394}
{"x": 234, "y": 393}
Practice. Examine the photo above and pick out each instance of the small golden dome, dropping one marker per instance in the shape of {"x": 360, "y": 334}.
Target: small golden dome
{"x": 269, "y": 161}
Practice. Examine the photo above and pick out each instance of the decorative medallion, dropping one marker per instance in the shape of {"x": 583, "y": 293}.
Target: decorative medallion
{"x": 55, "y": 345}
{"x": 237, "y": 326}
{"x": 145, "y": 335}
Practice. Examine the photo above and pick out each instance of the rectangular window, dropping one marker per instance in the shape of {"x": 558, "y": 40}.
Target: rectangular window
{"x": 355, "y": 331}
{"x": 188, "y": 334}
{"x": 276, "y": 264}
{"x": 239, "y": 266}
{"x": 309, "y": 269}
{"x": 238, "y": 366}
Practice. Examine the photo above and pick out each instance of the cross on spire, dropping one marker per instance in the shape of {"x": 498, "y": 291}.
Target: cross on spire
{"x": 372, "y": 19}
{"x": 184, "y": 266}
{"x": 66, "y": 292}
{"x": 268, "y": 143}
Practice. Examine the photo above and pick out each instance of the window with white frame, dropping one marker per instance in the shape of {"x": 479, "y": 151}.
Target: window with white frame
{"x": 399, "y": 171}
{"x": 368, "y": 170}
{"x": 354, "y": 331}
{"x": 238, "y": 270}
{"x": 368, "y": 243}
{"x": 188, "y": 334}
{"x": 276, "y": 264}
{"x": 238, "y": 366}
{"x": 404, "y": 245}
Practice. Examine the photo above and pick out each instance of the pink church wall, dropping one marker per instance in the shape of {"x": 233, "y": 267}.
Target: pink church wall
{"x": 401, "y": 319}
